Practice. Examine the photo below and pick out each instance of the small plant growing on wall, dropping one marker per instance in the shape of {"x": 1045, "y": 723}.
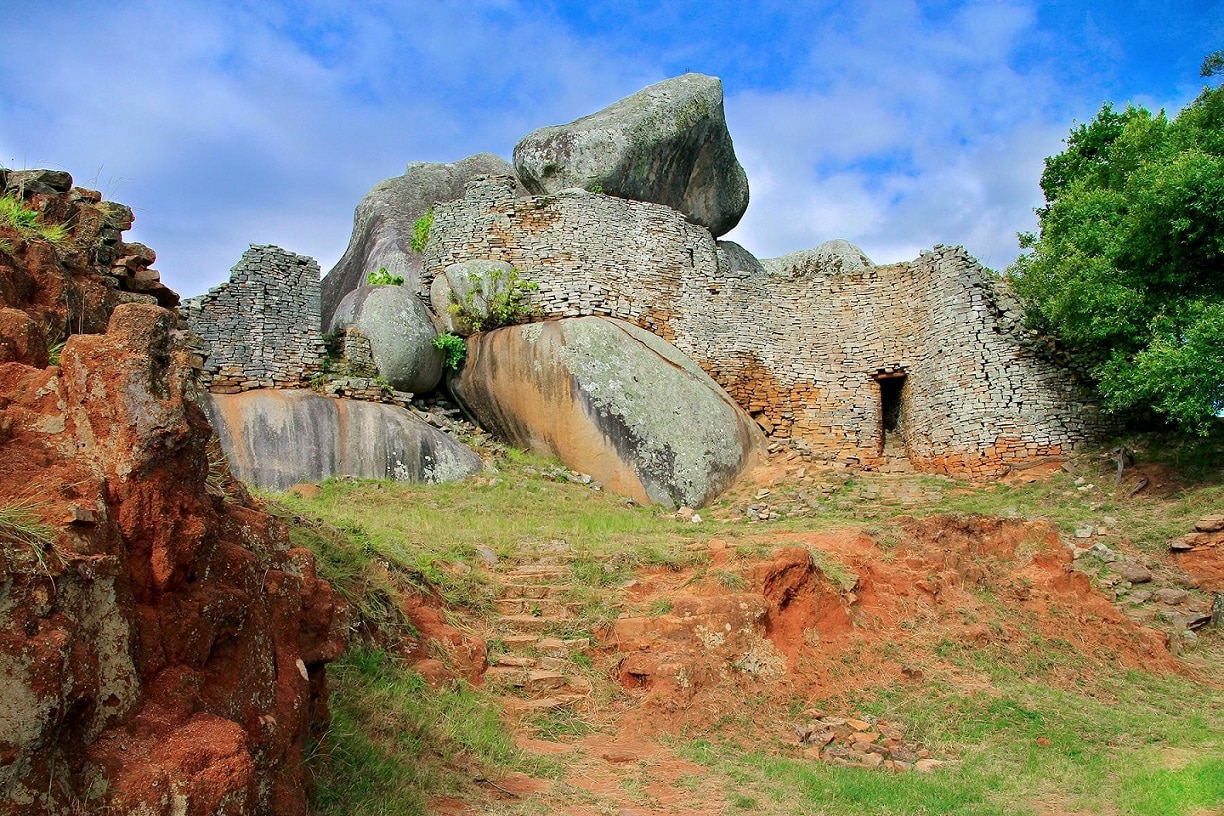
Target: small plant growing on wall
{"x": 28, "y": 223}
{"x": 453, "y": 348}
{"x": 507, "y": 294}
{"x": 384, "y": 278}
{"x": 420, "y": 231}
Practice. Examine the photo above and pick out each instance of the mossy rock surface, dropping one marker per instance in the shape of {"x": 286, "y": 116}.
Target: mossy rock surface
{"x": 613, "y": 400}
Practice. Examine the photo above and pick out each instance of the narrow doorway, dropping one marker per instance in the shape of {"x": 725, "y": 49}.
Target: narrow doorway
{"x": 892, "y": 416}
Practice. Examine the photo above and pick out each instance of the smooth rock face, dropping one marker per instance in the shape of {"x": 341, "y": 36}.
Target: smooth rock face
{"x": 400, "y": 331}
{"x": 382, "y": 224}
{"x": 481, "y": 280}
{"x": 666, "y": 144}
{"x": 275, "y": 439}
{"x": 611, "y": 400}
{"x": 836, "y": 257}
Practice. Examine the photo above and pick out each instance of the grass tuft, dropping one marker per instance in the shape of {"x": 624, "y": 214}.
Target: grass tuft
{"x": 29, "y": 223}
{"x": 19, "y": 524}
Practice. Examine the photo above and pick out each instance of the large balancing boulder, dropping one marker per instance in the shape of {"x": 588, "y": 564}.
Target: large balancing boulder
{"x": 613, "y": 400}
{"x": 400, "y": 331}
{"x": 667, "y": 144}
{"x": 384, "y": 220}
{"x": 274, "y": 439}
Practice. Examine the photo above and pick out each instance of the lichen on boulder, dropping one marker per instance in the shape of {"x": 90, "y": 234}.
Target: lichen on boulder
{"x": 613, "y": 400}
{"x": 666, "y": 144}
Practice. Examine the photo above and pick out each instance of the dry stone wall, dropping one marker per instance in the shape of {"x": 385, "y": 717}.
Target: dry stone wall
{"x": 817, "y": 356}
{"x": 262, "y": 327}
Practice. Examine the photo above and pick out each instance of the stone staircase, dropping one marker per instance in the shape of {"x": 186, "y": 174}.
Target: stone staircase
{"x": 531, "y": 660}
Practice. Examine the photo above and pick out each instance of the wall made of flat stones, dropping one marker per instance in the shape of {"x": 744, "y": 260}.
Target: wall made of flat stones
{"x": 262, "y": 327}
{"x": 797, "y": 348}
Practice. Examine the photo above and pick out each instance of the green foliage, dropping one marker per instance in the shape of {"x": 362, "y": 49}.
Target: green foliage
{"x": 453, "y": 348}
{"x": 420, "y": 231}
{"x": 29, "y": 223}
{"x": 384, "y": 278}
{"x": 1126, "y": 267}
{"x": 596, "y": 188}
{"x": 20, "y": 525}
{"x": 54, "y": 353}
{"x": 496, "y": 299}
{"x": 1213, "y": 64}
{"x": 1118, "y": 754}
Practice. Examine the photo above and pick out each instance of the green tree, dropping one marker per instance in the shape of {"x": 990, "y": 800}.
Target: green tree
{"x": 1128, "y": 265}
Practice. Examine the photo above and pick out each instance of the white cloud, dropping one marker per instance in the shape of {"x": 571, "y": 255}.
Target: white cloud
{"x": 892, "y": 124}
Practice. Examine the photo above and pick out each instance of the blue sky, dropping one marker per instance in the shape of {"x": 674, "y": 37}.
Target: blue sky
{"x": 896, "y": 125}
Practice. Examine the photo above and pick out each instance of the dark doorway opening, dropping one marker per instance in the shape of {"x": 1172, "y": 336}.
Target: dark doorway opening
{"x": 892, "y": 416}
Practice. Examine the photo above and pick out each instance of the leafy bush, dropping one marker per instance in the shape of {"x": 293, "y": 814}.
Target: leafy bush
{"x": 1125, "y": 269}
{"x": 384, "y": 278}
{"x": 454, "y": 349}
{"x": 507, "y": 296}
{"x": 29, "y": 223}
{"x": 420, "y": 231}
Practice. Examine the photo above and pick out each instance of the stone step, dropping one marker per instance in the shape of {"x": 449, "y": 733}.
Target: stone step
{"x": 519, "y": 661}
{"x": 521, "y": 643}
{"x": 516, "y": 706}
{"x": 561, "y": 647}
{"x": 531, "y": 590}
{"x": 529, "y": 680}
{"x": 537, "y": 574}
{"x": 526, "y": 624}
{"x": 537, "y": 607}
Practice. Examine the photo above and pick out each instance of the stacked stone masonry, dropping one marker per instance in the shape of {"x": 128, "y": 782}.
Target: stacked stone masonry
{"x": 814, "y": 356}
{"x": 262, "y": 327}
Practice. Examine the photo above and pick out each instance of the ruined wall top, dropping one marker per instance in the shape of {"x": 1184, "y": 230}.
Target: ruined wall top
{"x": 801, "y": 342}
{"x": 261, "y": 327}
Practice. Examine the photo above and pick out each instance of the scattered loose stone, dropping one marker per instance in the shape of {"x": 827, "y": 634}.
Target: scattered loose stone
{"x": 863, "y": 742}
{"x": 1210, "y": 524}
{"x": 1130, "y": 571}
{"x": 1171, "y": 596}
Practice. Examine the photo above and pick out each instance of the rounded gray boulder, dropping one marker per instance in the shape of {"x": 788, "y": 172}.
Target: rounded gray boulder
{"x": 401, "y": 334}
{"x": 667, "y": 144}
{"x": 836, "y": 257}
{"x": 613, "y": 400}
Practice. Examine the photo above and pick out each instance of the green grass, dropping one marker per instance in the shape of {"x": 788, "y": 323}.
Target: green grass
{"x": 394, "y": 741}
{"x": 1112, "y": 741}
{"x": 427, "y": 535}
{"x": 1103, "y": 751}
{"x": 29, "y": 223}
